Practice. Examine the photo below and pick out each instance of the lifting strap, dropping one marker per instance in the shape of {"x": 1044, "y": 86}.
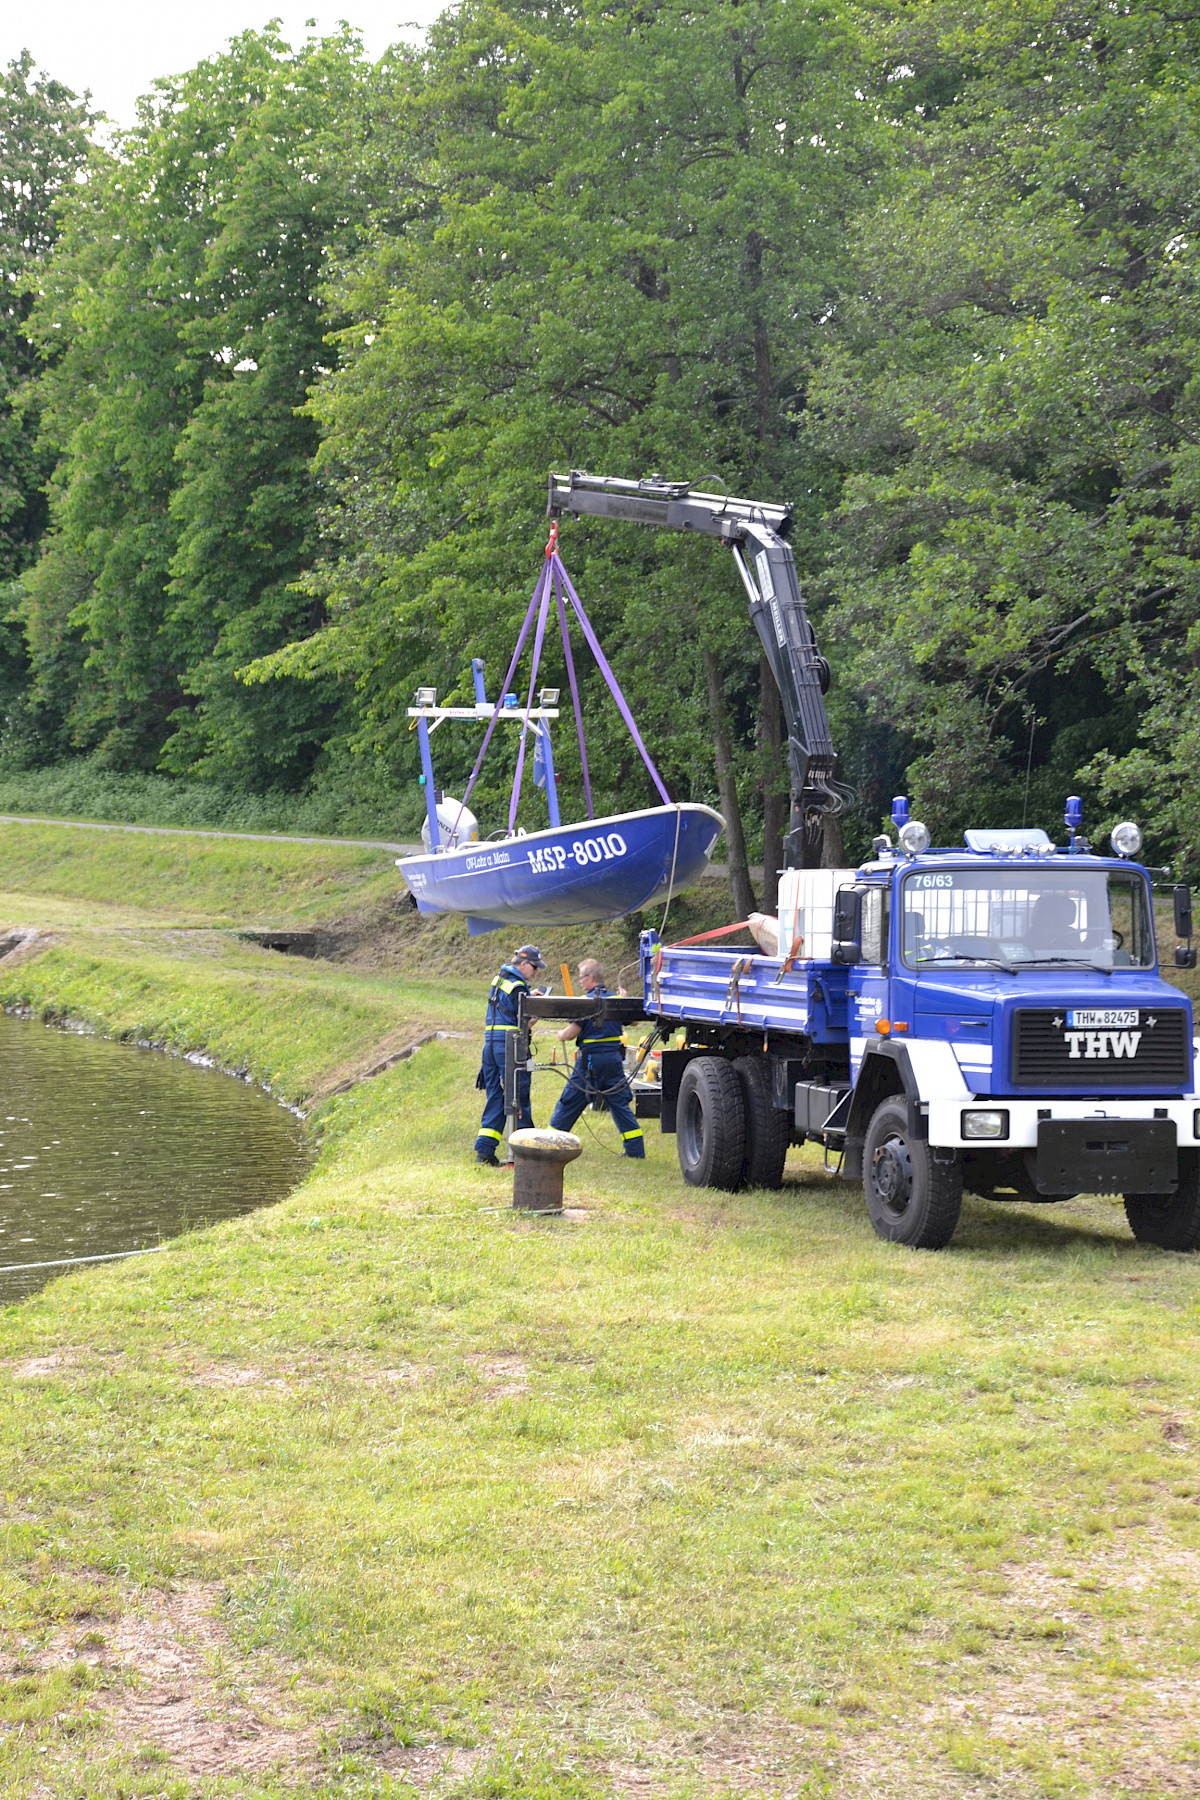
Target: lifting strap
{"x": 702, "y": 937}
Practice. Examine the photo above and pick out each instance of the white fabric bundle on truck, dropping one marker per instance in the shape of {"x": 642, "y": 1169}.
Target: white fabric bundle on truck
{"x": 766, "y": 932}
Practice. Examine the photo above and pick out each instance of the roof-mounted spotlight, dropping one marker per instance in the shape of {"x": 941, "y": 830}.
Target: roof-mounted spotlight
{"x": 914, "y": 838}
{"x": 1126, "y": 839}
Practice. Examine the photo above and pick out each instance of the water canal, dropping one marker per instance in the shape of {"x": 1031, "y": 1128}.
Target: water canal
{"x": 107, "y": 1147}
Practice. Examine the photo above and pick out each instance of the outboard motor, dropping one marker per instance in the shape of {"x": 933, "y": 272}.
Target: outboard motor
{"x": 448, "y": 817}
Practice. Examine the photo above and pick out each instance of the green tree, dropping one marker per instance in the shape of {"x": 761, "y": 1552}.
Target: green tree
{"x": 182, "y": 302}
{"x": 1012, "y": 391}
{"x": 613, "y": 237}
{"x": 43, "y": 143}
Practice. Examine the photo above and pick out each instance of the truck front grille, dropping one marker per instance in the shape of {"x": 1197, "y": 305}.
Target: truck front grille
{"x": 1156, "y": 1052}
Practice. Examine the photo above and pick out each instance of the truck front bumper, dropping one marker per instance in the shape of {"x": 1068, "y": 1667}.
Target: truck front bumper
{"x": 1079, "y": 1146}
{"x": 945, "y": 1118}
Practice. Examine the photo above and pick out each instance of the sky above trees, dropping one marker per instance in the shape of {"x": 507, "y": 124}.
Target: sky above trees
{"x": 119, "y": 49}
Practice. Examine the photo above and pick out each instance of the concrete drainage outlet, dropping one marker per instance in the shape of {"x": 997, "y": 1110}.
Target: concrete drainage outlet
{"x": 293, "y": 943}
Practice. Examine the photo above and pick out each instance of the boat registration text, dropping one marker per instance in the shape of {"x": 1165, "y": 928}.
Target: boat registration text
{"x": 548, "y": 859}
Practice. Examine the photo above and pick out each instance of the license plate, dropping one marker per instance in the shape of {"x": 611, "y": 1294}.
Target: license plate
{"x": 1110, "y": 1018}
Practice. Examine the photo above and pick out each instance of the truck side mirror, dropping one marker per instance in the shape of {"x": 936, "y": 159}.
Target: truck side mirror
{"x": 1183, "y": 911}
{"x": 847, "y": 926}
{"x": 1185, "y": 956}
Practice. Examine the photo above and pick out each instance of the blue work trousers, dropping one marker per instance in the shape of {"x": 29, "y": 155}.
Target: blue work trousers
{"x": 600, "y": 1075}
{"x": 491, "y": 1126}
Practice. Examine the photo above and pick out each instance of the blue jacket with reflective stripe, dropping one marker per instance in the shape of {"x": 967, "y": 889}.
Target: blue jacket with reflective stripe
{"x": 600, "y": 1037}
{"x": 502, "y": 998}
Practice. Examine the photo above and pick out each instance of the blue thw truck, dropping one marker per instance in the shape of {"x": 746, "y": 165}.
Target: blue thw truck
{"x": 989, "y": 1018}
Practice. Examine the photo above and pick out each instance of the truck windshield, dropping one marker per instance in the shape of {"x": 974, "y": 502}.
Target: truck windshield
{"x": 1026, "y": 918}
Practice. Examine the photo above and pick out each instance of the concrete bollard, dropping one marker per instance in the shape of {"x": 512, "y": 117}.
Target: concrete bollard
{"x": 539, "y": 1158}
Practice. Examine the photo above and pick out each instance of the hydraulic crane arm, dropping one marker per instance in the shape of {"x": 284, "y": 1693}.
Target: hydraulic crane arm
{"x": 756, "y": 534}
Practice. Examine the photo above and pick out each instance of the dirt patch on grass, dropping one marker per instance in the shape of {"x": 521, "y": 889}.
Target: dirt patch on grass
{"x": 423, "y": 1764}
{"x": 54, "y": 1362}
{"x": 235, "y": 1375}
{"x": 503, "y": 1377}
{"x": 250, "y": 1378}
{"x": 403, "y": 1375}
{"x": 172, "y": 1684}
{"x": 187, "y": 1693}
{"x": 1071, "y": 1686}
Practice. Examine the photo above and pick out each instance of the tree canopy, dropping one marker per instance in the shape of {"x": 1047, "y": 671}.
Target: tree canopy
{"x": 314, "y": 332}
{"x": 184, "y": 313}
{"x": 1011, "y": 397}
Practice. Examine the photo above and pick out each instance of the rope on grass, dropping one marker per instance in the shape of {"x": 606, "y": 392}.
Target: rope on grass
{"x": 68, "y": 1262}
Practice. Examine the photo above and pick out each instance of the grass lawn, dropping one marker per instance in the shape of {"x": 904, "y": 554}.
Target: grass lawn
{"x": 187, "y": 880}
{"x": 386, "y": 1491}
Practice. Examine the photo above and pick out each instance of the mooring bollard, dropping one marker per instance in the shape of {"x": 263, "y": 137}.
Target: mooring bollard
{"x": 539, "y": 1158}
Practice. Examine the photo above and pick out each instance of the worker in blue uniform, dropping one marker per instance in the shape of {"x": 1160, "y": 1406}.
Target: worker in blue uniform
{"x": 599, "y": 1072}
{"x": 512, "y": 981}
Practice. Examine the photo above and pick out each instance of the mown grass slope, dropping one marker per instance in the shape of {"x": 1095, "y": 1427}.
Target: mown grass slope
{"x": 686, "y": 1493}
{"x": 192, "y": 879}
{"x": 388, "y": 1491}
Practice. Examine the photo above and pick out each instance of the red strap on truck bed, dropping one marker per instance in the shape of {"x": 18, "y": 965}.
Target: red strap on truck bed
{"x": 702, "y": 937}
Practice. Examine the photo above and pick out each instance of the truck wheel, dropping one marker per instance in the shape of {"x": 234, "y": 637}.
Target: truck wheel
{"x": 1172, "y": 1221}
{"x": 768, "y": 1130}
{"x": 911, "y": 1199}
{"x": 710, "y": 1124}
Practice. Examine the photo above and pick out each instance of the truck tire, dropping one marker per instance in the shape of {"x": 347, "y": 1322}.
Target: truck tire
{"x": 710, "y": 1124}
{"x": 1172, "y": 1221}
{"x": 911, "y": 1199}
{"x": 768, "y": 1130}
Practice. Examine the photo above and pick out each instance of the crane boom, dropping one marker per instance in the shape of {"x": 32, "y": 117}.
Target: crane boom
{"x": 756, "y": 533}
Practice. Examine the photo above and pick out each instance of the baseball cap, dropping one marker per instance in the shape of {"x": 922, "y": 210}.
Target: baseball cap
{"x": 531, "y": 953}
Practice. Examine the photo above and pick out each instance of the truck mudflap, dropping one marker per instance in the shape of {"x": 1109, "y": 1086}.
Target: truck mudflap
{"x": 1106, "y": 1156}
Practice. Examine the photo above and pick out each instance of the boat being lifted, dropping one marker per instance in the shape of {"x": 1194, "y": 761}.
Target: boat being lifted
{"x": 569, "y": 875}
{"x": 578, "y": 874}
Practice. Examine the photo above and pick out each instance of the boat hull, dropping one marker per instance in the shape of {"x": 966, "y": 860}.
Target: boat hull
{"x": 570, "y": 875}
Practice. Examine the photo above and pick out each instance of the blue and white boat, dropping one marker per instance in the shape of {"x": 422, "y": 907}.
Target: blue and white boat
{"x": 570, "y": 874}
{"x": 565, "y": 874}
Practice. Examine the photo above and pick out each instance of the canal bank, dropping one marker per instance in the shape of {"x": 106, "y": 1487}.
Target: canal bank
{"x": 384, "y": 1491}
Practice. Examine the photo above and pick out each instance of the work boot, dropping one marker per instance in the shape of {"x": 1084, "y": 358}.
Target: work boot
{"x": 487, "y": 1162}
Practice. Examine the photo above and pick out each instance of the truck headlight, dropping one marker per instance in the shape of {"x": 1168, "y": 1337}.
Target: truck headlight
{"x": 1126, "y": 839}
{"x": 985, "y": 1124}
{"x": 1196, "y": 1123}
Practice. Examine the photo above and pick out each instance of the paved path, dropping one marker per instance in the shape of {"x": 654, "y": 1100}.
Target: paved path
{"x": 254, "y": 837}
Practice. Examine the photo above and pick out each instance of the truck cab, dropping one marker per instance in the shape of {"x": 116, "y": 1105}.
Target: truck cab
{"x": 991, "y": 1016}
